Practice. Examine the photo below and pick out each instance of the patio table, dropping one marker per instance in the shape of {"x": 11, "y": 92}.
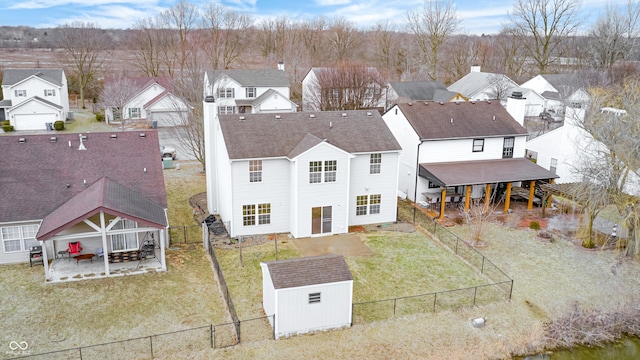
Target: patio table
{"x": 84, "y": 257}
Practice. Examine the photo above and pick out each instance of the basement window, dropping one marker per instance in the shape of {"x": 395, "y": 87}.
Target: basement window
{"x": 314, "y": 298}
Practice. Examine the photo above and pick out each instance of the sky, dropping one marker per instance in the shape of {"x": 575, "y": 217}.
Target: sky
{"x": 478, "y": 17}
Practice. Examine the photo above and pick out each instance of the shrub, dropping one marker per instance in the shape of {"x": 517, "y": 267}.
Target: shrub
{"x": 58, "y": 125}
{"x": 534, "y": 225}
{"x": 100, "y": 117}
{"x": 7, "y": 128}
{"x": 5, "y": 122}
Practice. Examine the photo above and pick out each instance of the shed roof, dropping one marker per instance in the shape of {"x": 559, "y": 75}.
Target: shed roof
{"x": 457, "y": 120}
{"x": 250, "y": 136}
{"x": 307, "y": 271}
{"x": 14, "y": 76}
{"x": 39, "y": 174}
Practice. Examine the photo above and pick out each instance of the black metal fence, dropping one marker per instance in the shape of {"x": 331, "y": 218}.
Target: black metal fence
{"x": 185, "y": 234}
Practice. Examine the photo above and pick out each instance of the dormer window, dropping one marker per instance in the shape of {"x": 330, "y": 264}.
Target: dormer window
{"x": 49, "y": 92}
{"x": 20, "y": 93}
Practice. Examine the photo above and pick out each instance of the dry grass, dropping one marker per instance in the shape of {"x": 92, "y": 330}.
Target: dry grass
{"x": 64, "y": 315}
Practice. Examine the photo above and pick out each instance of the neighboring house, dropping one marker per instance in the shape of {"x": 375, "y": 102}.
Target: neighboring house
{"x": 466, "y": 149}
{"x": 249, "y": 91}
{"x": 304, "y": 173}
{"x": 349, "y": 87}
{"x": 147, "y": 98}
{"x": 34, "y": 98}
{"x": 413, "y": 91}
{"x": 307, "y": 294}
{"x": 559, "y": 90}
{"x": 88, "y": 188}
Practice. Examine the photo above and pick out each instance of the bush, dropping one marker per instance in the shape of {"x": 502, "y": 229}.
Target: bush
{"x": 58, "y": 125}
{"x": 100, "y": 117}
{"x": 534, "y": 225}
{"x": 7, "y": 128}
{"x": 5, "y": 122}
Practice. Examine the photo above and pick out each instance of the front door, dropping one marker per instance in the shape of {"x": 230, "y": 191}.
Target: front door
{"x": 321, "y": 220}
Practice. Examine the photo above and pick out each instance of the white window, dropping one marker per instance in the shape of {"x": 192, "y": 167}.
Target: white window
{"x": 374, "y": 204}
{"x": 361, "y": 205}
{"x": 375, "y": 160}
{"x": 507, "y": 147}
{"x": 18, "y": 238}
{"x": 368, "y": 202}
{"x": 122, "y": 241}
{"x": 49, "y": 92}
{"x": 314, "y": 298}
{"x": 249, "y": 214}
{"x": 330, "y": 169}
{"x": 20, "y": 93}
{"x": 255, "y": 170}
{"x": 478, "y": 145}
{"x": 251, "y": 92}
{"x": 134, "y": 113}
{"x": 226, "y": 93}
{"x": 226, "y": 110}
{"x": 315, "y": 172}
{"x": 554, "y": 165}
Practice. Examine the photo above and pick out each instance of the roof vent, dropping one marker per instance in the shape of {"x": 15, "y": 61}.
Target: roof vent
{"x": 344, "y": 114}
{"x": 369, "y": 114}
{"x": 410, "y": 104}
{"x": 142, "y": 135}
{"x": 441, "y": 103}
{"x": 82, "y": 147}
{"x": 472, "y": 101}
{"x": 494, "y": 118}
{"x": 22, "y": 140}
{"x": 84, "y": 137}
{"x": 457, "y": 102}
{"x": 451, "y": 121}
{"x": 330, "y": 125}
{"x": 114, "y": 136}
{"x": 278, "y": 117}
{"x": 242, "y": 117}
{"x": 488, "y": 101}
{"x": 53, "y": 139}
{"x": 313, "y": 116}
{"x": 426, "y": 103}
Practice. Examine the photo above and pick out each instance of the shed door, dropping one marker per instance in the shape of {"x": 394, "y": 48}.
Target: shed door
{"x": 321, "y": 220}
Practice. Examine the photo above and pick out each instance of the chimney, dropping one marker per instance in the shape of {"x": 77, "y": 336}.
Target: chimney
{"x": 281, "y": 65}
{"x": 516, "y": 106}
{"x": 475, "y": 68}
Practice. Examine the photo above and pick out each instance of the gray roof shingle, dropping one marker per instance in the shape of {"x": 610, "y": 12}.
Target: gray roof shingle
{"x": 458, "y": 120}
{"x": 474, "y": 83}
{"x": 38, "y": 176}
{"x": 13, "y": 76}
{"x": 248, "y": 77}
{"x": 265, "y": 136}
{"x": 309, "y": 271}
{"x": 422, "y": 90}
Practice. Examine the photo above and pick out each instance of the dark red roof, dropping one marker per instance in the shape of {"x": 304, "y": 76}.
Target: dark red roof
{"x": 457, "y": 120}
{"x": 39, "y": 175}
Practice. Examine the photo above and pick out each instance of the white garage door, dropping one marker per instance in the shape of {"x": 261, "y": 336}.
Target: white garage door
{"x": 168, "y": 118}
{"x": 33, "y": 121}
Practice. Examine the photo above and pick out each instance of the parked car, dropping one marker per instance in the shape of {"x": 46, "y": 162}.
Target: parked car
{"x": 168, "y": 152}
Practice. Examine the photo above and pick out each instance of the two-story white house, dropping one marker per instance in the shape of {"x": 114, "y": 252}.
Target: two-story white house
{"x": 245, "y": 91}
{"x": 559, "y": 91}
{"x": 34, "y": 98}
{"x": 308, "y": 174}
{"x": 469, "y": 150}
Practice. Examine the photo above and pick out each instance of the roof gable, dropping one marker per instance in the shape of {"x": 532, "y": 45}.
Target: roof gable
{"x": 307, "y": 271}
{"x": 251, "y": 136}
{"x": 39, "y": 175}
{"x": 37, "y": 99}
{"x": 475, "y": 83}
{"x": 14, "y": 76}
{"x": 456, "y": 120}
{"x": 248, "y": 77}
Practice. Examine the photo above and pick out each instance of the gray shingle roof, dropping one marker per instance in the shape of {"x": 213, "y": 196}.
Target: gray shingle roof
{"x": 422, "y": 90}
{"x": 38, "y": 175}
{"x": 13, "y": 76}
{"x": 433, "y": 121}
{"x": 247, "y": 77}
{"x": 265, "y": 136}
{"x": 103, "y": 195}
{"x": 309, "y": 271}
{"x": 475, "y": 82}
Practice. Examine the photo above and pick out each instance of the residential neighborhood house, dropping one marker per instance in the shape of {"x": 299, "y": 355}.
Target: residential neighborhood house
{"x": 414, "y": 91}
{"x": 558, "y": 91}
{"x": 249, "y": 91}
{"x": 146, "y": 98}
{"x": 308, "y": 174}
{"x": 84, "y": 188}
{"x": 34, "y": 98}
{"x": 307, "y": 294}
{"x": 458, "y": 152}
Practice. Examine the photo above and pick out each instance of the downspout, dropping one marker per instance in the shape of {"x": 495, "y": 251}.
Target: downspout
{"x": 415, "y": 185}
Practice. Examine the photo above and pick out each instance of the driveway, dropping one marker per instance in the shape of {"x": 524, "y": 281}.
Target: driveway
{"x": 343, "y": 244}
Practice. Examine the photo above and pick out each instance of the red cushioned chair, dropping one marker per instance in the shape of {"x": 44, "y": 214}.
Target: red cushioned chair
{"x": 74, "y": 248}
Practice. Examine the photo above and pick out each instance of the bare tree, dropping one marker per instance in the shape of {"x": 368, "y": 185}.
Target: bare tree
{"x": 543, "y": 25}
{"x": 500, "y": 86}
{"x": 432, "y": 24}
{"x": 182, "y": 19}
{"x": 346, "y": 87}
{"x": 343, "y": 39}
{"x": 81, "y": 48}
{"x": 115, "y": 95}
{"x": 510, "y": 54}
{"x": 312, "y": 35}
{"x": 386, "y": 51}
{"x": 223, "y": 42}
{"x": 144, "y": 42}
{"x": 613, "y": 35}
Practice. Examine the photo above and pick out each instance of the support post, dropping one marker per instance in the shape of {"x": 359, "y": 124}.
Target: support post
{"x": 532, "y": 194}
{"x": 487, "y": 197}
{"x": 550, "y": 198}
{"x": 507, "y": 198}
{"x": 443, "y": 194}
{"x": 467, "y": 198}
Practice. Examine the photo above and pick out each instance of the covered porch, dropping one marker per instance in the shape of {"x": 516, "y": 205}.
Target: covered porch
{"x": 459, "y": 184}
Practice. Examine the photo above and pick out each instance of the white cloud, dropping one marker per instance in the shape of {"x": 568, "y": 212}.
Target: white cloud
{"x": 332, "y": 2}
{"x": 45, "y": 4}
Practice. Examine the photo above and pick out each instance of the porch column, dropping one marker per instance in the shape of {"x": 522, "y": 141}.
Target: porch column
{"x": 507, "y": 198}
{"x": 105, "y": 249}
{"x": 532, "y": 185}
{"x": 487, "y": 197}
{"x": 467, "y": 198}
{"x": 45, "y": 261}
{"x": 550, "y": 198}
{"x": 162, "y": 246}
{"x": 443, "y": 194}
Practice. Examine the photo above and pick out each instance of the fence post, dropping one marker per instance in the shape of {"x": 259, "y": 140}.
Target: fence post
{"x": 80, "y": 350}
{"x": 482, "y": 267}
{"x": 457, "y": 238}
{"x": 151, "y": 344}
{"x": 511, "y": 291}
{"x": 435, "y": 296}
{"x": 211, "y": 334}
{"x": 274, "y": 324}
{"x": 475, "y": 291}
{"x": 184, "y": 230}
{"x": 394, "y": 306}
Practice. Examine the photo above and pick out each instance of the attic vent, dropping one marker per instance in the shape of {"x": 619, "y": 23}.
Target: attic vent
{"x": 53, "y": 139}
{"x": 242, "y": 117}
{"x": 426, "y": 103}
{"x": 278, "y": 117}
{"x": 410, "y": 104}
{"x": 441, "y": 103}
{"x": 494, "y": 118}
{"x": 22, "y": 140}
{"x": 369, "y": 113}
{"x": 114, "y": 136}
{"x": 313, "y": 116}
{"x": 344, "y": 114}
{"x": 451, "y": 121}
{"x": 142, "y": 135}
{"x": 330, "y": 125}
{"x": 472, "y": 101}
{"x": 457, "y": 102}
{"x": 488, "y": 101}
